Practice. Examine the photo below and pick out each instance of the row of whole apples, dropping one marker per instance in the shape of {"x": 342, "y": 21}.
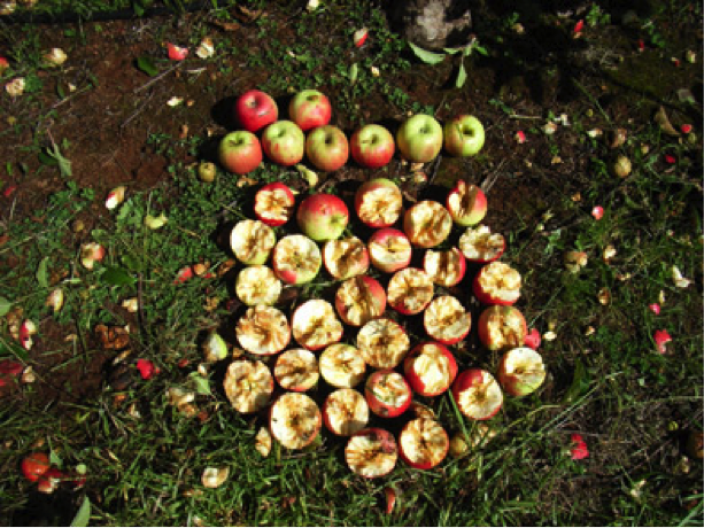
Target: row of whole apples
{"x": 420, "y": 138}
{"x": 429, "y": 368}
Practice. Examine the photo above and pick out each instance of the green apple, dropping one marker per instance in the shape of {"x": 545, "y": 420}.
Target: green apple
{"x": 419, "y": 138}
{"x": 464, "y": 136}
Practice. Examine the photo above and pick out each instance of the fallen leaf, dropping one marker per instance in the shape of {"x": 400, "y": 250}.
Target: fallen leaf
{"x": 113, "y": 337}
{"x": 664, "y": 122}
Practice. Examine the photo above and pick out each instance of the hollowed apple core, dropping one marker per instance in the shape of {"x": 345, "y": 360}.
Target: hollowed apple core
{"x": 248, "y": 385}
{"x": 257, "y": 285}
{"x": 433, "y": 368}
{"x": 252, "y": 241}
{"x": 444, "y": 267}
{"x": 390, "y": 250}
{"x": 424, "y": 443}
{"x": 361, "y": 304}
{"x": 315, "y": 325}
{"x": 500, "y": 281}
{"x": 427, "y": 224}
{"x": 463, "y": 200}
{"x": 263, "y": 330}
{"x": 342, "y": 366}
{"x": 346, "y": 258}
{"x": 274, "y": 204}
{"x": 479, "y": 244}
{"x": 346, "y": 412}
{"x": 295, "y": 420}
{"x": 482, "y": 398}
{"x": 297, "y": 370}
{"x": 383, "y": 343}
{"x": 522, "y": 371}
{"x": 390, "y": 389}
{"x": 381, "y": 206}
{"x": 446, "y": 319}
{"x": 297, "y": 255}
{"x": 505, "y": 327}
{"x": 410, "y": 290}
{"x": 371, "y": 453}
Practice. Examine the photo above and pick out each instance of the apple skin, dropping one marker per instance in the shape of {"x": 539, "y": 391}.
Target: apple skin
{"x": 419, "y": 139}
{"x": 503, "y": 312}
{"x": 471, "y": 378}
{"x": 511, "y": 382}
{"x": 255, "y": 109}
{"x": 415, "y": 380}
{"x": 240, "y": 152}
{"x": 372, "y": 146}
{"x": 479, "y": 206}
{"x": 375, "y": 289}
{"x": 259, "y": 206}
{"x": 327, "y": 148}
{"x": 35, "y": 465}
{"x": 284, "y": 143}
{"x": 381, "y": 237}
{"x": 369, "y": 187}
{"x": 310, "y": 109}
{"x": 322, "y": 217}
{"x": 379, "y": 407}
{"x": 464, "y": 136}
{"x": 429, "y": 464}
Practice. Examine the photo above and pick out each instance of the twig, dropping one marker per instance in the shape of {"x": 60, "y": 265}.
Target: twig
{"x": 158, "y": 78}
{"x": 136, "y": 112}
{"x": 490, "y": 180}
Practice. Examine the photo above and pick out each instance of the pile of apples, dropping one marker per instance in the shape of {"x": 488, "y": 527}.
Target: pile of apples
{"x": 382, "y": 348}
{"x": 420, "y": 138}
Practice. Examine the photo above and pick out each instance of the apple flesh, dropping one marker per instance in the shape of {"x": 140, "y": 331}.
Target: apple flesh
{"x": 389, "y": 250}
{"x": 257, "y": 285}
{"x": 521, "y": 371}
{"x": 284, "y": 143}
{"x": 477, "y": 394}
{"x": 297, "y": 370}
{"x": 295, "y": 420}
{"x": 478, "y": 244}
{"x": 383, "y": 343}
{"x": 446, "y": 320}
{"x": 497, "y": 283}
{"x": 419, "y": 138}
{"x": 372, "y": 146}
{"x": 322, "y": 217}
{"x": 430, "y": 369}
{"x": 274, "y": 203}
{"x": 342, "y": 366}
{"x": 423, "y": 443}
{"x": 315, "y": 325}
{"x": 445, "y": 268}
{"x": 502, "y": 327}
{"x": 427, "y": 224}
{"x": 410, "y": 291}
{"x": 248, "y": 385}
{"x": 346, "y": 258}
{"x": 296, "y": 259}
{"x": 359, "y": 300}
{"x": 345, "y": 412}
{"x": 388, "y": 393}
{"x": 371, "y": 453}
{"x": 327, "y": 148}
{"x": 310, "y": 109}
{"x": 464, "y": 136}
{"x": 255, "y": 109}
{"x": 263, "y": 331}
{"x": 466, "y": 204}
{"x": 240, "y": 152}
{"x": 378, "y": 203}
{"x": 252, "y": 241}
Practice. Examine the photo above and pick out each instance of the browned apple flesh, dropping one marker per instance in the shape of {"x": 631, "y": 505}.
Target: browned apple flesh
{"x": 263, "y": 331}
{"x": 257, "y": 285}
{"x": 410, "y": 290}
{"x": 371, "y": 453}
{"x": 295, "y": 420}
{"x": 383, "y": 343}
{"x": 500, "y": 281}
{"x": 342, "y": 366}
{"x": 479, "y": 244}
{"x": 381, "y": 206}
{"x": 297, "y": 370}
{"x": 252, "y": 241}
{"x": 360, "y": 302}
{"x": 248, "y": 385}
{"x": 346, "y": 412}
{"x": 446, "y": 320}
{"x": 315, "y": 325}
{"x": 274, "y": 204}
{"x": 346, "y": 258}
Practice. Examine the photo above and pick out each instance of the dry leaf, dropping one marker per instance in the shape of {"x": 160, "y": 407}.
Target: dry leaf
{"x": 664, "y": 122}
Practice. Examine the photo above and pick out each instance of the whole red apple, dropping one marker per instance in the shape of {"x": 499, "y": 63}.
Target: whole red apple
{"x": 310, "y": 109}
{"x": 240, "y": 152}
{"x": 323, "y": 217}
{"x": 372, "y": 146}
{"x": 327, "y": 148}
{"x": 255, "y": 109}
{"x": 284, "y": 143}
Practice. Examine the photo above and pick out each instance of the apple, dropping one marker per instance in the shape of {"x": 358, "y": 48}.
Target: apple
{"x": 274, "y": 203}
{"x": 521, "y": 371}
{"x": 460, "y": 444}
{"x": 296, "y": 259}
{"x": 430, "y": 369}
{"x": 371, "y": 453}
{"x": 248, "y": 385}
{"x": 284, "y": 143}
{"x": 240, "y": 152}
{"x": 427, "y": 224}
{"x": 378, "y": 203}
{"x": 297, "y": 370}
{"x": 423, "y": 443}
{"x": 342, "y": 366}
{"x": 50, "y": 481}
{"x": 419, "y": 138}
{"x": 446, "y": 320}
{"x": 345, "y": 412}
{"x": 315, "y": 326}
{"x": 295, "y": 420}
{"x": 502, "y": 327}
{"x": 263, "y": 331}
{"x": 345, "y": 258}
{"x": 255, "y": 109}
{"x": 207, "y": 171}
{"x": 322, "y": 217}
{"x": 389, "y": 250}
{"x": 464, "y": 136}
{"x": 35, "y": 465}
{"x": 372, "y": 146}
{"x": 466, "y": 204}
{"x": 479, "y": 244}
{"x": 252, "y": 241}
{"x": 383, "y": 343}
{"x": 359, "y": 300}
{"x": 388, "y": 393}
{"x": 445, "y": 268}
{"x": 497, "y": 283}
{"x": 327, "y": 148}
{"x": 410, "y": 290}
{"x": 257, "y": 285}
{"x": 310, "y": 109}
{"x": 477, "y": 394}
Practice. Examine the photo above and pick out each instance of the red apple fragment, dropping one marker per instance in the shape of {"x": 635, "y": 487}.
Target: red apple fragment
{"x": 388, "y": 393}
{"x": 477, "y": 394}
{"x": 410, "y": 291}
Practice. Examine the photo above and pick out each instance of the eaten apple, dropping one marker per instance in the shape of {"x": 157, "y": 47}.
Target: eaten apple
{"x": 466, "y": 204}
{"x": 274, "y": 204}
{"x": 346, "y": 258}
{"x": 323, "y": 217}
{"x": 372, "y": 146}
{"x": 240, "y": 152}
{"x": 521, "y": 371}
{"x": 423, "y": 443}
{"x": 478, "y": 244}
{"x": 315, "y": 325}
{"x": 255, "y": 109}
{"x": 427, "y": 224}
{"x": 252, "y": 241}
{"x": 295, "y": 420}
{"x": 297, "y": 370}
{"x": 445, "y": 268}
{"x": 410, "y": 291}
{"x": 327, "y": 148}
{"x": 371, "y": 453}
{"x": 248, "y": 385}
{"x": 257, "y": 285}
{"x": 263, "y": 331}
{"x": 359, "y": 300}
{"x": 497, "y": 283}
{"x": 430, "y": 369}
{"x": 378, "y": 203}
{"x": 383, "y": 343}
{"x": 464, "y": 136}
{"x": 296, "y": 259}
{"x": 419, "y": 138}
{"x": 388, "y": 393}
{"x": 342, "y": 366}
{"x": 477, "y": 394}
{"x": 502, "y": 327}
{"x": 284, "y": 143}
{"x": 345, "y": 412}
{"x": 446, "y": 320}
{"x": 310, "y": 109}
{"x": 389, "y": 250}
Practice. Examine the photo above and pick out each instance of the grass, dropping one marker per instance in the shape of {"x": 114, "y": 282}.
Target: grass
{"x": 633, "y": 406}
